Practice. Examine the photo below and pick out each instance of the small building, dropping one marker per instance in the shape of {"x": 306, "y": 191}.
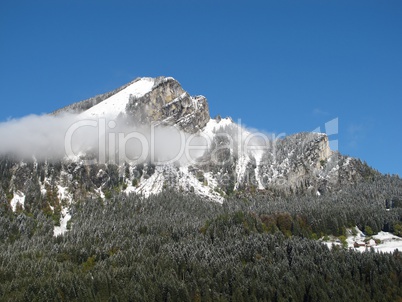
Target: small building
{"x": 358, "y": 244}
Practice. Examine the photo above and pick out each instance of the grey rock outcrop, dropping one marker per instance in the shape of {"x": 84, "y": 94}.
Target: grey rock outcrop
{"x": 168, "y": 104}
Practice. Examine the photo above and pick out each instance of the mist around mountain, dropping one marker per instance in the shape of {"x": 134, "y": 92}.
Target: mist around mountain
{"x": 139, "y": 195}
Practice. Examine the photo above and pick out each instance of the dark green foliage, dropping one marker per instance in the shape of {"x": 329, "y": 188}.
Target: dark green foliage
{"x": 256, "y": 246}
{"x": 180, "y": 248}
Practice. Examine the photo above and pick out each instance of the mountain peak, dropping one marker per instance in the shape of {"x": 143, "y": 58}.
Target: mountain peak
{"x": 147, "y": 100}
{"x": 116, "y": 104}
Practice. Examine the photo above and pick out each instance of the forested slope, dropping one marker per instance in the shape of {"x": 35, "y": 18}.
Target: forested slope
{"x": 178, "y": 247}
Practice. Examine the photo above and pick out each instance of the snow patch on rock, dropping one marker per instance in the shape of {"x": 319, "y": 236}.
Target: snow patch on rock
{"x": 19, "y": 198}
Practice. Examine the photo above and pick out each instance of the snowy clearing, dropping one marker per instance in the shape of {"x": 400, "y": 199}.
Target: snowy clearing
{"x": 19, "y": 198}
{"x": 387, "y": 242}
{"x": 60, "y": 230}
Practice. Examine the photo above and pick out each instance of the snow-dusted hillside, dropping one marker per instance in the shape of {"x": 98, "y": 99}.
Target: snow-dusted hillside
{"x": 229, "y": 159}
{"x": 116, "y": 104}
{"x": 356, "y": 240}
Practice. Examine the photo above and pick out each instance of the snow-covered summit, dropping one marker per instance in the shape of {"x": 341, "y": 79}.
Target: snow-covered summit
{"x": 116, "y": 104}
{"x": 145, "y": 101}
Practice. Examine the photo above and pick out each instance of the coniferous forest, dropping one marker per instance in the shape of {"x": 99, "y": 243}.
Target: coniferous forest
{"x": 180, "y": 247}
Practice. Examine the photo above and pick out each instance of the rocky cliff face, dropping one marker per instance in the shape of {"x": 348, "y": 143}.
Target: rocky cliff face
{"x": 302, "y": 163}
{"x": 167, "y": 103}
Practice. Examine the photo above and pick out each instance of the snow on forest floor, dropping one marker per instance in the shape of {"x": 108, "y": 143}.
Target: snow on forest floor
{"x": 356, "y": 240}
{"x": 60, "y": 230}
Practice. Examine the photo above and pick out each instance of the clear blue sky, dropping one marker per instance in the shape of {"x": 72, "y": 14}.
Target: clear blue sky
{"x": 280, "y": 66}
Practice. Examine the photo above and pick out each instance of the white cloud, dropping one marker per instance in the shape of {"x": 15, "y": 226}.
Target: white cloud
{"x": 49, "y": 137}
{"x": 33, "y": 135}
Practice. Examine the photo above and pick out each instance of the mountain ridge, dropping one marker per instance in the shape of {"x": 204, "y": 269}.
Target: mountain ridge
{"x": 235, "y": 161}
